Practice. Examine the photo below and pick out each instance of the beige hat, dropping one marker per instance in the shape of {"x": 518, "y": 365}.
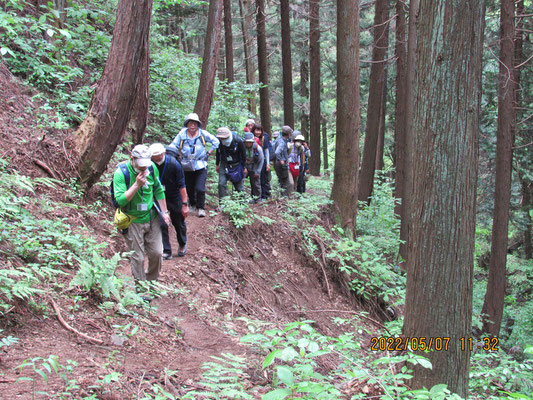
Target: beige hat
{"x": 300, "y": 138}
{"x": 142, "y": 155}
{"x": 223, "y": 133}
{"x": 192, "y": 117}
{"x": 157, "y": 149}
{"x": 286, "y": 130}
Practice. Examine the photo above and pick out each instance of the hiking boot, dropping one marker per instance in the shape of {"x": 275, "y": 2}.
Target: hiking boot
{"x": 182, "y": 250}
{"x": 166, "y": 256}
{"x": 192, "y": 209}
{"x": 201, "y": 212}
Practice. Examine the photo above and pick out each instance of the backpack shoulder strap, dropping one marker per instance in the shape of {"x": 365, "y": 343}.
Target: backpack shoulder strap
{"x": 202, "y": 136}
{"x": 124, "y": 168}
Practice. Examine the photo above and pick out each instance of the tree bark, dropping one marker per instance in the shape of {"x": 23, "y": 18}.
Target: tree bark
{"x": 408, "y": 132}
{"x": 99, "y": 134}
{"x": 401, "y": 101}
{"x": 380, "y": 148}
{"x": 139, "y": 113}
{"x": 325, "y": 144}
{"x": 377, "y": 81}
{"x": 344, "y": 191}
{"x": 314, "y": 62}
{"x": 264, "y": 97}
{"x": 204, "y": 99}
{"x": 526, "y": 205}
{"x": 228, "y": 42}
{"x": 304, "y": 92}
{"x": 246, "y": 23}
{"x": 286, "y": 64}
{"x": 492, "y": 310}
{"x": 441, "y": 239}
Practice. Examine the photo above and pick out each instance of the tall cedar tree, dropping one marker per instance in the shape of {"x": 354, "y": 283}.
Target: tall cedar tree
{"x": 325, "y": 143}
{"x": 286, "y": 64}
{"x": 228, "y": 42}
{"x": 441, "y": 239}
{"x": 401, "y": 100}
{"x": 204, "y": 99}
{"x": 344, "y": 191}
{"x": 405, "y": 209}
{"x": 139, "y": 113}
{"x": 99, "y": 134}
{"x": 264, "y": 97}
{"x": 304, "y": 92}
{"x": 314, "y": 62}
{"x": 380, "y": 148}
{"x": 246, "y": 24}
{"x": 377, "y": 82}
{"x": 493, "y": 305}
{"x": 525, "y": 183}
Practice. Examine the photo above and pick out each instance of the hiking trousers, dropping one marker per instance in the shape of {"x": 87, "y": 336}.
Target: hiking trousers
{"x": 179, "y": 224}
{"x": 266, "y": 176}
{"x": 195, "y": 184}
{"x": 223, "y": 183}
{"x": 284, "y": 177}
{"x": 144, "y": 239}
{"x": 255, "y": 184}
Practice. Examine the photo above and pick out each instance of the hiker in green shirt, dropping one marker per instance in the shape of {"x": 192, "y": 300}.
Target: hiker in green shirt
{"x": 135, "y": 196}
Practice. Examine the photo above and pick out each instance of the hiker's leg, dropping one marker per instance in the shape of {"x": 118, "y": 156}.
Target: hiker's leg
{"x": 154, "y": 249}
{"x": 190, "y": 180}
{"x": 201, "y": 178}
{"x": 135, "y": 240}
{"x": 222, "y": 183}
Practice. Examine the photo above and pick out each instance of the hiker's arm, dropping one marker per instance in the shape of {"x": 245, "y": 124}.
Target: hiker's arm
{"x": 260, "y": 161}
{"x": 130, "y": 193}
{"x": 163, "y": 205}
{"x": 184, "y": 205}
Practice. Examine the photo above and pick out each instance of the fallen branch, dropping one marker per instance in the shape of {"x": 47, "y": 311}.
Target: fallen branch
{"x": 45, "y": 168}
{"x": 70, "y": 328}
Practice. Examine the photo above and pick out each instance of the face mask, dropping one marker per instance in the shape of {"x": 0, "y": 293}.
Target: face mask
{"x": 161, "y": 162}
{"x": 297, "y": 144}
{"x": 227, "y": 142}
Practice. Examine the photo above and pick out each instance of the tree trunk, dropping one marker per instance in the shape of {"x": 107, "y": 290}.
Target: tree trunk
{"x": 264, "y": 97}
{"x": 314, "y": 62}
{"x": 493, "y": 305}
{"x": 526, "y": 205}
{"x": 304, "y": 92}
{"x": 228, "y": 42}
{"x": 204, "y": 99}
{"x": 377, "y": 81}
{"x": 99, "y": 134}
{"x": 246, "y": 23}
{"x": 344, "y": 191}
{"x": 139, "y": 112}
{"x": 408, "y": 132}
{"x": 286, "y": 64}
{"x": 380, "y": 148}
{"x": 441, "y": 239}
{"x": 401, "y": 101}
{"x": 325, "y": 144}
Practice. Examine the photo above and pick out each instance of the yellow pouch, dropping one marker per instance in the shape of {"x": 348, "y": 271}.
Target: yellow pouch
{"x": 122, "y": 220}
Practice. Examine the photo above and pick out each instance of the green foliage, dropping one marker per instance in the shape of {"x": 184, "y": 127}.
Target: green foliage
{"x": 57, "y": 60}
{"x": 7, "y": 341}
{"x": 45, "y": 368}
{"x": 98, "y": 274}
{"x": 223, "y": 379}
{"x": 238, "y": 209}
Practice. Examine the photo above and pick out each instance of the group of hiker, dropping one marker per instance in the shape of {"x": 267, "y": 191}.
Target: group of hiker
{"x": 170, "y": 182}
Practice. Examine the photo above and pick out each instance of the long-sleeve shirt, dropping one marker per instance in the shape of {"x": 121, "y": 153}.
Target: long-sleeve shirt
{"x": 172, "y": 178}
{"x": 282, "y": 151}
{"x": 264, "y": 142}
{"x": 192, "y": 150}
{"x": 298, "y": 155}
{"x": 254, "y": 159}
{"x": 142, "y": 202}
{"x": 232, "y": 154}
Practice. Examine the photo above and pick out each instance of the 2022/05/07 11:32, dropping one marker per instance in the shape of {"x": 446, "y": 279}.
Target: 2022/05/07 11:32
{"x": 402, "y": 343}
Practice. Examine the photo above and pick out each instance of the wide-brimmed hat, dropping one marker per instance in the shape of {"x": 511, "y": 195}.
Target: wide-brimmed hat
{"x": 142, "y": 155}
{"x": 249, "y": 137}
{"x": 223, "y": 133}
{"x": 157, "y": 149}
{"x": 300, "y": 138}
{"x": 192, "y": 117}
